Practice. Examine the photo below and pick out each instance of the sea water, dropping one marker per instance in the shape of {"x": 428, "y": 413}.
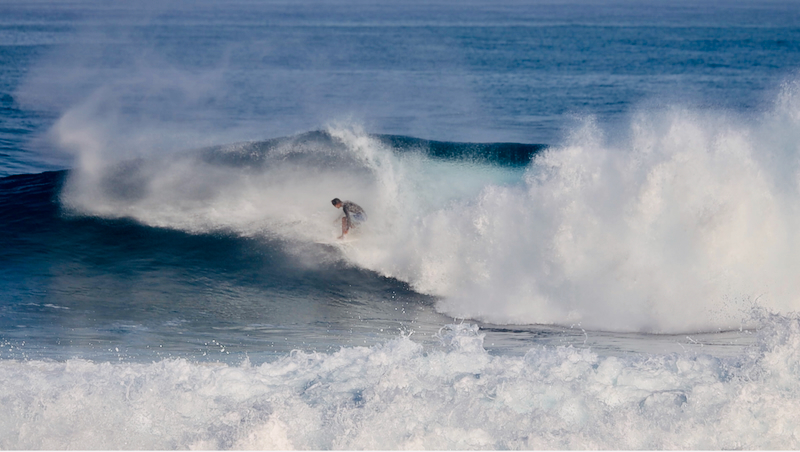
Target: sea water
{"x": 581, "y": 225}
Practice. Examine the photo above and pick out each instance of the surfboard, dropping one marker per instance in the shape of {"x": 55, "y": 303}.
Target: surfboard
{"x": 337, "y": 241}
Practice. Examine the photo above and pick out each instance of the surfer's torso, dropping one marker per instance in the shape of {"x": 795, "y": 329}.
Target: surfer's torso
{"x": 354, "y": 213}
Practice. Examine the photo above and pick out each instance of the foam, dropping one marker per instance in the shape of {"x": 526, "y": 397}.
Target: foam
{"x": 399, "y": 395}
{"x": 684, "y": 224}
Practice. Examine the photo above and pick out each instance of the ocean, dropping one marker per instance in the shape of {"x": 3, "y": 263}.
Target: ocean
{"x": 581, "y": 224}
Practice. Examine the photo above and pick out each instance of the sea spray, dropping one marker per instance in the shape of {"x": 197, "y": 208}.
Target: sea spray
{"x": 683, "y": 225}
{"x": 680, "y": 228}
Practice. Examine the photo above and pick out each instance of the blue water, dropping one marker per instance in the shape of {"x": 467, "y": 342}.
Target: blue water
{"x": 581, "y": 225}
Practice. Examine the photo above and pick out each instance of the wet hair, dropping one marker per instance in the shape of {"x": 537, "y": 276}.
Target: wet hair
{"x": 335, "y": 201}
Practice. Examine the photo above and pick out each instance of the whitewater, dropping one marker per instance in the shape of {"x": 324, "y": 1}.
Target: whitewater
{"x": 398, "y": 396}
{"x": 581, "y": 235}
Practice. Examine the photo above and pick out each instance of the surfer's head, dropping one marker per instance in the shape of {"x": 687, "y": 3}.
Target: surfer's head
{"x": 336, "y": 202}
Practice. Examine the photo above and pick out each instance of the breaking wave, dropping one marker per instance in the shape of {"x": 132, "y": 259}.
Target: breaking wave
{"x": 683, "y": 223}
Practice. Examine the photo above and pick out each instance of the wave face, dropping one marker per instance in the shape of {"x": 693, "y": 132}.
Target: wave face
{"x": 397, "y": 396}
{"x": 683, "y": 224}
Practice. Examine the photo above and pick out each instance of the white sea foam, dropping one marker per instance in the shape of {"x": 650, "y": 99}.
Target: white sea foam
{"x": 683, "y": 224}
{"x": 401, "y": 396}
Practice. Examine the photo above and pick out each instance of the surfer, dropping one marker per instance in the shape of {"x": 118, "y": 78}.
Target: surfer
{"x": 353, "y": 215}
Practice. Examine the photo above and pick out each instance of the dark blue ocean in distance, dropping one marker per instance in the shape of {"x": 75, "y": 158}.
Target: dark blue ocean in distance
{"x": 581, "y": 225}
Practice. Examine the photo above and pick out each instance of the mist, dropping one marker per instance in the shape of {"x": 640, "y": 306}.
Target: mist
{"x": 127, "y": 84}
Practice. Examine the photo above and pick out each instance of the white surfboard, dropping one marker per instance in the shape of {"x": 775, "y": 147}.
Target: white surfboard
{"x": 336, "y": 241}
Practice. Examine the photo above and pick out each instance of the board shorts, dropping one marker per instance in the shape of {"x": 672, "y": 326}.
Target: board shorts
{"x": 356, "y": 218}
